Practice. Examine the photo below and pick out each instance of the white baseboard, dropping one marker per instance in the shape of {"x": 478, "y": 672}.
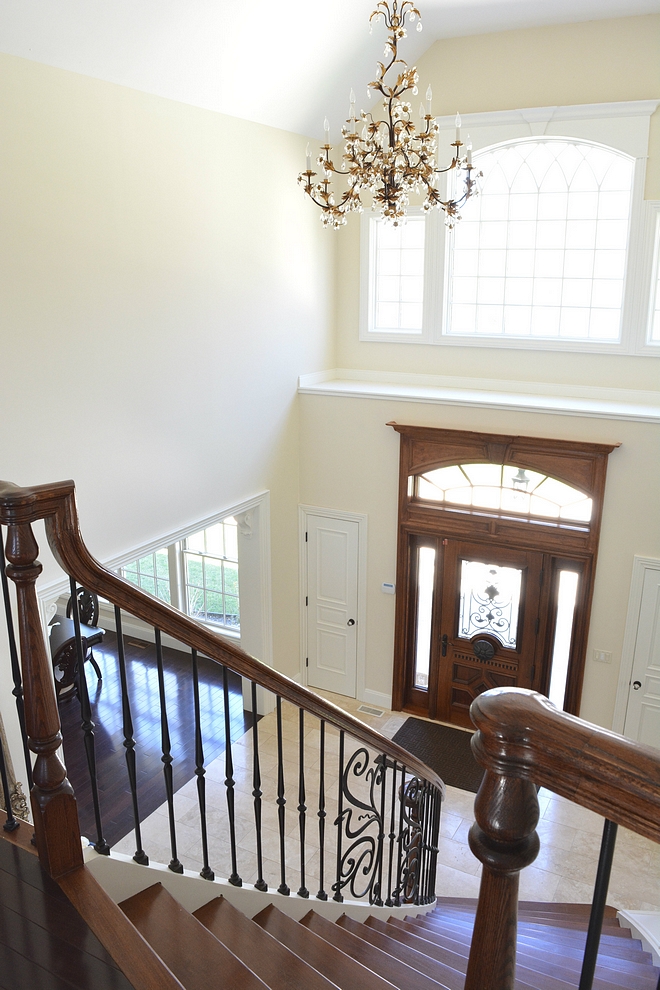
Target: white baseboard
{"x": 378, "y": 698}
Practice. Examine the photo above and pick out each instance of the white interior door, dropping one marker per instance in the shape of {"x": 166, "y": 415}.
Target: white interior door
{"x": 332, "y": 605}
{"x": 643, "y": 709}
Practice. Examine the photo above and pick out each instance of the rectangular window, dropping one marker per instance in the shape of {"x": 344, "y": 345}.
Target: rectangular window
{"x": 654, "y": 328}
{"x": 208, "y": 564}
{"x": 151, "y": 573}
{"x": 210, "y": 574}
{"x": 396, "y": 276}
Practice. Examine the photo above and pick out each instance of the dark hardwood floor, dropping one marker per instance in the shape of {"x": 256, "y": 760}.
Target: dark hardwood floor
{"x": 105, "y": 698}
{"x": 44, "y": 943}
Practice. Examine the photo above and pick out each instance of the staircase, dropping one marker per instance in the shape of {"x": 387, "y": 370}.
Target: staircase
{"x": 218, "y": 946}
{"x": 374, "y": 806}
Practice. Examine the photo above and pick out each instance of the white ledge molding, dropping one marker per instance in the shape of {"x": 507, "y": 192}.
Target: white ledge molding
{"x": 535, "y": 397}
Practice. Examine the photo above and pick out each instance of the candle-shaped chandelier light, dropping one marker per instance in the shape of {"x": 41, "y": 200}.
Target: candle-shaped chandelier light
{"x": 389, "y": 156}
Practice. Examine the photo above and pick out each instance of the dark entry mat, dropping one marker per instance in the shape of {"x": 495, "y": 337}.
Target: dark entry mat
{"x": 444, "y": 749}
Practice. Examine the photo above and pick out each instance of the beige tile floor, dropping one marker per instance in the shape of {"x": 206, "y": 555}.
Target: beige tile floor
{"x": 564, "y": 870}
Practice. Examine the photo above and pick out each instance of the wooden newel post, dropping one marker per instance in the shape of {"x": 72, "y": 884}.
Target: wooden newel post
{"x": 53, "y": 802}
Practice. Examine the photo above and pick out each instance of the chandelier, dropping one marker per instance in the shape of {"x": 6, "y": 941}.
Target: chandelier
{"x": 389, "y": 157}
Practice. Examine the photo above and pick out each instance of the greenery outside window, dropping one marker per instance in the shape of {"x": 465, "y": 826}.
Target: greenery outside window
{"x": 151, "y": 573}
{"x": 211, "y": 574}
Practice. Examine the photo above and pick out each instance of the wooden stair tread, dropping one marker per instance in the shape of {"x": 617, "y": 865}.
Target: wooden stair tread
{"x": 191, "y": 952}
{"x": 339, "y": 968}
{"x": 271, "y": 960}
{"x": 562, "y": 963}
{"x": 568, "y": 936}
{"x": 556, "y": 907}
{"x": 408, "y": 971}
{"x": 440, "y": 967}
{"x": 550, "y": 940}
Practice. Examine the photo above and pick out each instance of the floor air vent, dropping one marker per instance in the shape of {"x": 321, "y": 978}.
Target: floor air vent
{"x": 378, "y": 712}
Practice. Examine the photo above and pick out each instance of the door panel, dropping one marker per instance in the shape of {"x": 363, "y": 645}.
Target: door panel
{"x": 486, "y": 627}
{"x": 332, "y": 582}
{"x": 643, "y": 711}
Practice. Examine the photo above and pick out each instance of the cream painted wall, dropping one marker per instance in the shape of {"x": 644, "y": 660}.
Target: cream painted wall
{"x": 594, "y": 62}
{"x": 163, "y": 281}
{"x": 350, "y": 461}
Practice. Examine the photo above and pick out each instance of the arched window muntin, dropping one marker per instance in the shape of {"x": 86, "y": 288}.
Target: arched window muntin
{"x": 503, "y": 490}
{"x": 543, "y": 263}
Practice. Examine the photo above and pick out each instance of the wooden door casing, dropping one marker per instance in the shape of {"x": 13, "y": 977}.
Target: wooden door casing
{"x": 580, "y": 465}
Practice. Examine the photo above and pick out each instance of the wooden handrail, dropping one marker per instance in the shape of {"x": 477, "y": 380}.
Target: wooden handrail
{"x": 523, "y": 741}
{"x": 56, "y": 504}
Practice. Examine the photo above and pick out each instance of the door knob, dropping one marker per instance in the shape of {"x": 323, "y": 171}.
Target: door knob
{"x": 637, "y": 685}
{"x": 351, "y": 622}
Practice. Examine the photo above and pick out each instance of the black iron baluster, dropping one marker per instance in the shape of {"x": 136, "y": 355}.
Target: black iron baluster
{"x": 87, "y": 723}
{"x": 10, "y": 824}
{"x": 256, "y": 791}
{"x": 302, "y": 808}
{"x": 174, "y": 865}
{"x": 392, "y": 836}
{"x": 206, "y": 872}
{"x": 339, "y": 823}
{"x": 129, "y": 742}
{"x": 378, "y": 898}
{"x": 399, "y": 868}
{"x": 15, "y": 665}
{"x": 598, "y": 905}
{"x": 281, "y": 801}
{"x": 436, "y": 833}
{"x": 423, "y": 847}
{"x": 234, "y": 879}
{"x": 322, "y": 895}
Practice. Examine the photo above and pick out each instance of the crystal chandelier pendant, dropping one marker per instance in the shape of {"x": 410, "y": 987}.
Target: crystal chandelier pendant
{"x": 390, "y": 157}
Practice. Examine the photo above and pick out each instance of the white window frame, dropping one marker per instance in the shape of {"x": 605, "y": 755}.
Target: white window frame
{"x": 623, "y": 127}
{"x": 653, "y": 346}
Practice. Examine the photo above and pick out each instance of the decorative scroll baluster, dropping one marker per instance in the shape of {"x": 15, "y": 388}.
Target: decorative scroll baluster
{"x": 140, "y": 855}
{"x": 339, "y": 821}
{"x": 399, "y": 865}
{"x": 378, "y": 892}
{"x": 256, "y": 791}
{"x": 281, "y": 801}
{"x": 10, "y": 824}
{"x": 436, "y": 832}
{"x": 53, "y": 803}
{"x": 234, "y": 878}
{"x": 423, "y": 847}
{"x": 322, "y": 895}
{"x": 174, "y": 865}
{"x": 206, "y": 872}
{"x": 100, "y": 845}
{"x": 598, "y": 905}
{"x": 302, "y": 808}
{"x": 15, "y": 666}
{"x": 389, "y": 902}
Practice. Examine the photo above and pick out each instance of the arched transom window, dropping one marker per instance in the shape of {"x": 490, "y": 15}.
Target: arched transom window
{"x": 542, "y": 252}
{"x": 504, "y": 488}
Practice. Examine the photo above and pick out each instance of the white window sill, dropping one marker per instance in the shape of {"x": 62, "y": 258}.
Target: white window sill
{"x": 535, "y": 397}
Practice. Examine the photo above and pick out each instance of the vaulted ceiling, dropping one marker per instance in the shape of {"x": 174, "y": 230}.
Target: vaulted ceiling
{"x": 286, "y": 64}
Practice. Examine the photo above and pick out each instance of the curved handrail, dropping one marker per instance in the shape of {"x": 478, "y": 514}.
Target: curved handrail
{"x": 522, "y": 735}
{"x": 56, "y": 504}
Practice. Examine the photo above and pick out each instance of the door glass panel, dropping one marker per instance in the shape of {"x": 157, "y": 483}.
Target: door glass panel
{"x": 566, "y": 597}
{"x": 490, "y": 601}
{"x": 425, "y": 582}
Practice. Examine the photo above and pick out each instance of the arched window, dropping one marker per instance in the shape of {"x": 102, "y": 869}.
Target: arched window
{"x": 505, "y": 488}
{"x": 541, "y": 253}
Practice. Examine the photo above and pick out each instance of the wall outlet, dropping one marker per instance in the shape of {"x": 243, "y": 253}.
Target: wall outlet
{"x": 602, "y": 656}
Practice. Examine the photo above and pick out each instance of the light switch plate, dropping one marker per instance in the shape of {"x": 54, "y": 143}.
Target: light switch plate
{"x": 602, "y": 656}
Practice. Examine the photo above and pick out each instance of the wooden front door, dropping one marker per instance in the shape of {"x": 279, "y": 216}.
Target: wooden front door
{"x": 485, "y": 629}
